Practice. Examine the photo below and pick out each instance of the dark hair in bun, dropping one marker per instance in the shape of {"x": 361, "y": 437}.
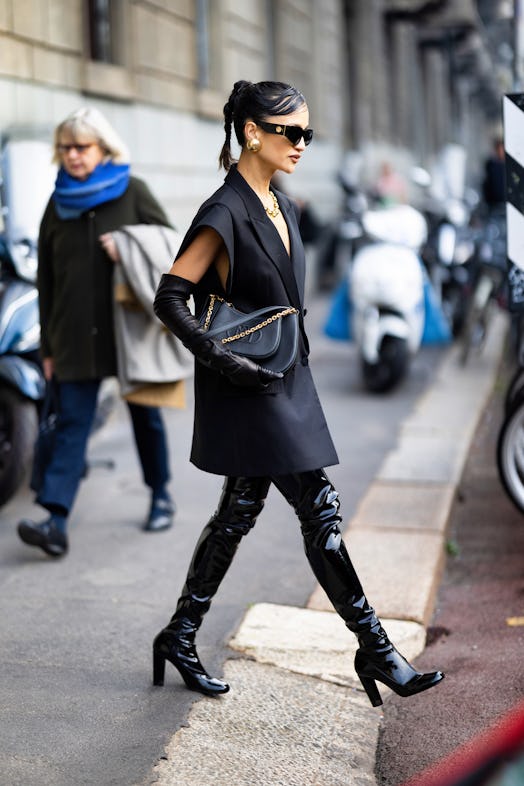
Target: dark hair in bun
{"x": 255, "y": 101}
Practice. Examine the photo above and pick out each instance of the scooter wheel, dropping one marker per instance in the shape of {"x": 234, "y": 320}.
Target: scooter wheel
{"x": 515, "y": 390}
{"x": 391, "y": 367}
{"x": 18, "y": 429}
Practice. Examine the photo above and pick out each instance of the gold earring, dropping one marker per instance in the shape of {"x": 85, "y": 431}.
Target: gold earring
{"x": 254, "y": 145}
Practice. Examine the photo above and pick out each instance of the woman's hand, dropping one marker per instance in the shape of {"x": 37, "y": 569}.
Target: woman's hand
{"x": 48, "y": 365}
{"x": 245, "y": 373}
{"x": 171, "y": 308}
{"x": 108, "y": 244}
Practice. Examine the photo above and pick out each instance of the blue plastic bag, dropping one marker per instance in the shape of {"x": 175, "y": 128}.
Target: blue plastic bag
{"x": 338, "y": 324}
{"x": 436, "y": 327}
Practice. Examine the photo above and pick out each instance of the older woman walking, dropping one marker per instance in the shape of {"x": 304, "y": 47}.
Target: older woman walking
{"x": 94, "y": 195}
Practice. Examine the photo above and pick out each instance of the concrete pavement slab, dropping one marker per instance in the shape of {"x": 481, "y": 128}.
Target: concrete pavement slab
{"x": 316, "y": 643}
{"x": 444, "y": 411}
{"x": 404, "y": 506}
{"x": 296, "y": 714}
{"x": 423, "y": 459}
{"x": 434, "y": 440}
{"x": 274, "y": 728}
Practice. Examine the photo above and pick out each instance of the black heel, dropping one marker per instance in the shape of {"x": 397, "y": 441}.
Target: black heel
{"x": 385, "y": 664}
{"x": 159, "y": 668}
{"x": 370, "y": 686}
{"x": 182, "y": 654}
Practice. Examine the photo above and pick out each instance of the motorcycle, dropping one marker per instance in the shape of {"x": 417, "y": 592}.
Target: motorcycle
{"x": 451, "y": 259}
{"x": 22, "y": 383}
{"x": 490, "y": 286}
{"x": 386, "y": 287}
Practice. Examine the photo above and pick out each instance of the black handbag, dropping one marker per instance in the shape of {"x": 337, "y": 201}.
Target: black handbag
{"x": 268, "y": 336}
{"x": 45, "y": 440}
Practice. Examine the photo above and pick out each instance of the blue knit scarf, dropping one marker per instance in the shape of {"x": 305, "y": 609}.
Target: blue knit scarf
{"x": 72, "y": 197}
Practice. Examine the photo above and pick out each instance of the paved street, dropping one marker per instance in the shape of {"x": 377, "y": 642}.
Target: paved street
{"x": 77, "y": 706}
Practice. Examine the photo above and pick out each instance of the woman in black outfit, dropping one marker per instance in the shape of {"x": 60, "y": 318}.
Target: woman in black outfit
{"x": 253, "y": 425}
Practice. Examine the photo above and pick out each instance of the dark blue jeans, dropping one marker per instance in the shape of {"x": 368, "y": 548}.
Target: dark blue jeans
{"x": 77, "y": 403}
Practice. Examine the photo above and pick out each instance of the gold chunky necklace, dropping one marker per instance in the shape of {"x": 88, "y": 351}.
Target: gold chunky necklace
{"x": 275, "y": 210}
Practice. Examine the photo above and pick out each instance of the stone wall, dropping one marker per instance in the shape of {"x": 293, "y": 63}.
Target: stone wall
{"x": 371, "y": 77}
{"x": 166, "y": 100}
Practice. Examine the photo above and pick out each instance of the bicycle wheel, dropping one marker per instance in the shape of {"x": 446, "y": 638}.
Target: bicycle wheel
{"x": 510, "y": 454}
{"x": 515, "y": 390}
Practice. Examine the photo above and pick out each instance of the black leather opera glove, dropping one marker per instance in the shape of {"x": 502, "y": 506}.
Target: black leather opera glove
{"x": 171, "y": 308}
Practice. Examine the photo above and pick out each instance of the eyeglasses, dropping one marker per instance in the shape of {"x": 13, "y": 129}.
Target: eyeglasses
{"x": 79, "y": 148}
{"x": 293, "y": 133}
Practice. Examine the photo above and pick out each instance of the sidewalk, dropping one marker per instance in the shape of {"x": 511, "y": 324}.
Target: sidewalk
{"x": 297, "y": 715}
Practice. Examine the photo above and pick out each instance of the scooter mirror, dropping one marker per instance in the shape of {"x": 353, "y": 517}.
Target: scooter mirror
{"x": 457, "y": 212}
{"x": 446, "y": 243}
{"x": 24, "y": 257}
{"x": 420, "y": 177}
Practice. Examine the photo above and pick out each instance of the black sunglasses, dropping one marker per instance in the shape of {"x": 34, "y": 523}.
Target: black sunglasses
{"x": 293, "y": 133}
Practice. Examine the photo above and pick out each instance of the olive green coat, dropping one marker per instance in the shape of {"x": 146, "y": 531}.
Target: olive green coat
{"x": 75, "y": 283}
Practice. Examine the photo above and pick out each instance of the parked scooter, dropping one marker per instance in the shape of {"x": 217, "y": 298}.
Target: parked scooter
{"x": 22, "y": 384}
{"x": 387, "y": 294}
{"x": 451, "y": 258}
{"x": 490, "y": 286}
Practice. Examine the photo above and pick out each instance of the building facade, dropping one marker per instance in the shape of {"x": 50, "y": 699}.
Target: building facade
{"x": 161, "y": 70}
{"x": 404, "y": 75}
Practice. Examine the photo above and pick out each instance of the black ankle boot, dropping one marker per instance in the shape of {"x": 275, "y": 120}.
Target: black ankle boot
{"x": 176, "y": 643}
{"x": 161, "y": 514}
{"x": 46, "y": 535}
{"x": 376, "y": 659}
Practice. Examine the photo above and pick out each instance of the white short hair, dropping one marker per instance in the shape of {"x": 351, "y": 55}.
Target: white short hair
{"x": 90, "y": 122}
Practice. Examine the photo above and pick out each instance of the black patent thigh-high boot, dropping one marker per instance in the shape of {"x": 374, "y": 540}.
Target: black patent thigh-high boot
{"x": 377, "y": 659}
{"x": 241, "y": 501}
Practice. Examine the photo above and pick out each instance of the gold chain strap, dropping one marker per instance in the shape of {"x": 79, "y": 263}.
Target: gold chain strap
{"x": 212, "y": 300}
{"x": 249, "y": 331}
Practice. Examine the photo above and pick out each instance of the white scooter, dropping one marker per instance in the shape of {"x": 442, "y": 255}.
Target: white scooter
{"x": 387, "y": 294}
